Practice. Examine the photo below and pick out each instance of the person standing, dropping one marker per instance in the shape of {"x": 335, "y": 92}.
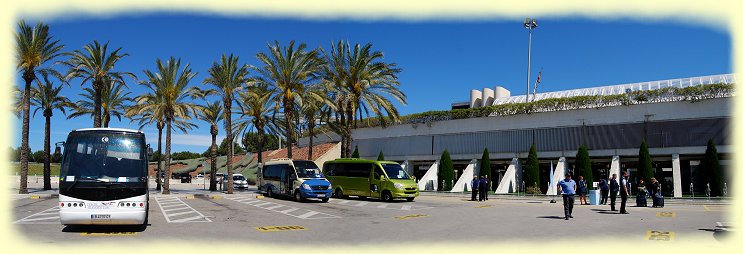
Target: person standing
{"x": 487, "y": 187}
{"x": 614, "y": 188}
{"x": 483, "y": 187}
{"x": 604, "y": 191}
{"x": 624, "y": 192}
{"x": 567, "y": 188}
{"x": 474, "y": 185}
{"x": 582, "y": 190}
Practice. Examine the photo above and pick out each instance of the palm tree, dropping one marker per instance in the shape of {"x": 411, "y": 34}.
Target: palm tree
{"x": 95, "y": 65}
{"x": 47, "y": 97}
{"x": 212, "y": 114}
{"x": 170, "y": 90}
{"x": 256, "y": 111}
{"x": 334, "y": 75}
{"x": 145, "y": 118}
{"x": 287, "y": 70}
{"x": 34, "y": 47}
{"x": 114, "y": 101}
{"x": 17, "y": 101}
{"x": 228, "y": 77}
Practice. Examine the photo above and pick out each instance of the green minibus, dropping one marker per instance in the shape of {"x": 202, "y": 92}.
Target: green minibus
{"x": 385, "y": 180}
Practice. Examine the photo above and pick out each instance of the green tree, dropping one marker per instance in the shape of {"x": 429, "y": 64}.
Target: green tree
{"x": 583, "y": 165}
{"x": 212, "y": 114}
{"x": 185, "y": 155}
{"x": 645, "y": 165}
{"x": 170, "y": 83}
{"x": 485, "y": 164}
{"x": 380, "y": 157}
{"x": 446, "y": 172}
{"x": 286, "y": 71}
{"x": 228, "y": 77}
{"x": 34, "y": 47}
{"x": 356, "y": 153}
{"x": 531, "y": 168}
{"x": 222, "y": 150}
{"x": 114, "y": 102}
{"x": 47, "y": 98}
{"x": 250, "y": 142}
{"x": 314, "y": 98}
{"x": 712, "y": 171}
{"x": 94, "y": 64}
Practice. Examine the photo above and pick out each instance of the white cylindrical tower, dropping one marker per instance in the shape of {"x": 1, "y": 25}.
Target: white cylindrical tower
{"x": 487, "y": 97}
{"x": 501, "y": 92}
{"x": 475, "y": 99}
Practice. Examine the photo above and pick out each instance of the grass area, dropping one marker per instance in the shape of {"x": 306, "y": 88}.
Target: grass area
{"x": 35, "y": 168}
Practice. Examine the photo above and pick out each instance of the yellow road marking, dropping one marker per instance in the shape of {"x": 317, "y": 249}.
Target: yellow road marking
{"x": 410, "y": 216}
{"x": 655, "y": 235}
{"x": 35, "y": 197}
{"x": 483, "y": 206}
{"x": 666, "y": 214}
{"x": 109, "y": 234}
{"x": 279, "y": 228}
{"x": 216, "y": 197}
{"x": 258, "y": 196}
{"x": 189, "y": 197}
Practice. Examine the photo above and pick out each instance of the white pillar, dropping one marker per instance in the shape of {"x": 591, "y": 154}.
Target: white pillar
{"x": 676, "y": 164}
{"x": 469, "y": 172}
{"x": 614, "y": 169}
{"x": 509, "y": 182}
{"x": 558, "y": 175}
{"x": 431, "y": 174}
{"x": 406, "y": 166}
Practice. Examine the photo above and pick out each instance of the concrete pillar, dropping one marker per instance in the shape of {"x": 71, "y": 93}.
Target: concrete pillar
{"x": 431, "y": 174}
{"x": 558, "y": 175}
{"x": 406, "y": 166}
{"x": 509, "y": 182}
{"x": 472, "y": 169}
{"x": 676, "y": 164}
{"x": 615, "y": 167}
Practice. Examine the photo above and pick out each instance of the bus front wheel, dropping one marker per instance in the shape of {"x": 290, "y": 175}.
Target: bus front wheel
{"x": 339, "y": 193}
{"x": 269, "y": 192}
{"x": 298, "y": 196}
{"x": 386, "y": 196}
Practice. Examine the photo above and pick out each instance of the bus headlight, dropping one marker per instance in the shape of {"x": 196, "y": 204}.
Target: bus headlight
{"x": 398, "y": 186}
{"x": 306, "y": 186}
{"x": 330, "y": 186}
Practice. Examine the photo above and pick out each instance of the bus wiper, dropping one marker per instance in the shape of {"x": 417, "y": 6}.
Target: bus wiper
{"x": 121, "y": 184}
{"x": 77, "y": 180}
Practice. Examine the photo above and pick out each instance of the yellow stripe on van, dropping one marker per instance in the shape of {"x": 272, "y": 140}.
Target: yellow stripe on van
{"x": 279, "y": 228}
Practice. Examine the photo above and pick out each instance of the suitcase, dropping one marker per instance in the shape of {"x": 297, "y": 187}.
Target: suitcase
{"x": 658, "y": 201}
{"x": 642, "y": 201}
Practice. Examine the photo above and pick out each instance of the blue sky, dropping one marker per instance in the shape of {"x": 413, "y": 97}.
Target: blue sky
{"x": 441, "y": 61}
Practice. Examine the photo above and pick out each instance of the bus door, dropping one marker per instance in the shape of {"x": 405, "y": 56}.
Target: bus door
{"x": 375, "y": 184}
{"x": 287, "y": 179}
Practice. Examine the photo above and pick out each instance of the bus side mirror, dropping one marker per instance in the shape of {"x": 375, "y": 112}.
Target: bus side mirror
{"x": 58, "y": 148}
{"x": 149, "y": 152}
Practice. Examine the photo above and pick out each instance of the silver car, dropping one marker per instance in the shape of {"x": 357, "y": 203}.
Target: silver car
{"x": 238, "y": 181}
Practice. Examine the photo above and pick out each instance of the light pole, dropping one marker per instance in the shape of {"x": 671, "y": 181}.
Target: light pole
{"x": 530, "y": 24}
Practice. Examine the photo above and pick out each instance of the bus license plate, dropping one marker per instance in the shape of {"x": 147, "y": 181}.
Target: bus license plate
{"x": 320, "y": 195}
{"x": 100, "y": 216}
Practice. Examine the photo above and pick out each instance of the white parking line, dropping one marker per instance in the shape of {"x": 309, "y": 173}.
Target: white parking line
{"x": 48, "y": 216}
{"x": 391, "y": 206}
{"x": 175, "y": 204}
{"x": 301, "y": 213}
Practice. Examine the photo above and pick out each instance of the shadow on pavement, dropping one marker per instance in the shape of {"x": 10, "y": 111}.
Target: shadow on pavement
{"x": 719, "y": 235}
{"x": 103, "y": 228}
{"x": 551, "y": 217}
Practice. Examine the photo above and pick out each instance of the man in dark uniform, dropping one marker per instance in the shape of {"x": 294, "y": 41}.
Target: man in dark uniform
{"x": 624, "y": 192}
{"x": 487, "y": 187}
{"x": 614, "y": 188}
{"x": 483, "y": 187}
{"x": 474, "y": 185}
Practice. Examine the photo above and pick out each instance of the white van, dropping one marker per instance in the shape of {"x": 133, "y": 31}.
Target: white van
{"x": 300, "y": 179}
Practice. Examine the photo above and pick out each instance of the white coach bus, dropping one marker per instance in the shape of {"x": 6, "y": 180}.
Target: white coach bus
{"x": 103, "y": 178}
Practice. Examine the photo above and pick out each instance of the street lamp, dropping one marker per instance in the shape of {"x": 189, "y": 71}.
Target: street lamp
{"x": 530, "y": 24}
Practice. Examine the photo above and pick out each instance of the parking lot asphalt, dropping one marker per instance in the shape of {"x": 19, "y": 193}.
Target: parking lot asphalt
{"x": 247, "y": 216}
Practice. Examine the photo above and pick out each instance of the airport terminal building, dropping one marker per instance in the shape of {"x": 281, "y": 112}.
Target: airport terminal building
{"x": 675, "y": 129}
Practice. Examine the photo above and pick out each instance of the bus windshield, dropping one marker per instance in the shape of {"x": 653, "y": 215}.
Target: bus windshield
{"x": 395, "y": 171}
{"x": 307, "y": 169}
{"x": 104, "y": 157}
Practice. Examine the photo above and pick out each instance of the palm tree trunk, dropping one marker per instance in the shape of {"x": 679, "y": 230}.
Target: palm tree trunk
{"x": 310, "y": 126}
{"x": 343, "y": 135}
{"x": 106, "y": 118}
{"x": 166, "y": 186}
{"x": 230, "y": 146}
{"x": 97, "y": 87}
{"x": 260, "y": 144}
{"x": 159, "y": 156}
{"x": 289, "y": 131}
{"x": 213, "y": 158}
{"x": 28, "y": 76}
{"x": 47, "y": 159}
